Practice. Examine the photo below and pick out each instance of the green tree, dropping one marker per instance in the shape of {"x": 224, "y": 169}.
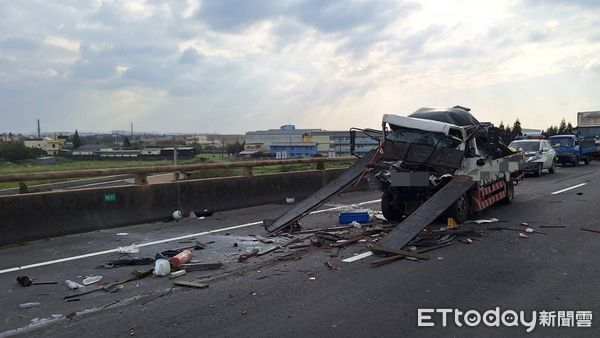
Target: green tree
{"x": 234, "y": 148}
{"x": 16, "y": 151}
{"x": 516, "y": 129}
{"x": 76, "y": 140}
{"x": 562, "y": 128}
{"x": 569, "y": 129}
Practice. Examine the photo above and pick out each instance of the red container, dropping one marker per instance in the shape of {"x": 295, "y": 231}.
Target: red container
{"x": 181, "y": 258}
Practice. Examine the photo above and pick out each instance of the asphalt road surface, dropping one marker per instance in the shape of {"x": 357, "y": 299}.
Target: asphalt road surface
{"x": 268, "y": 297}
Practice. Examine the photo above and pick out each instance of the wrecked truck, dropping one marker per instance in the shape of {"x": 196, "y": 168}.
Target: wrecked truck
{"x": 422, "y": 152}
{"x": 431, "y": 162}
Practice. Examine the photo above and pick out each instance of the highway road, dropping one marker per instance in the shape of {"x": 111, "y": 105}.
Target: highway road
{"x": 269, "y": 297}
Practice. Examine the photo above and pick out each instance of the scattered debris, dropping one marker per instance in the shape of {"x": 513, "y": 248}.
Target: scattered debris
{"x": 331, "y": 266}
{"x": 73, "y": 285}
{"x": 353, "y": 217}
{"x": 126, "y": 262}
{"x": 72, "y": 300}
{"x": 130, "y": 249}
{"x": 312, "y": 278}
{"x": 71, "y": 315}
{"x": 334, "y": 252}
{"x": 162, "y": 267}
{"x": 183, "y": 257}
{"x": 110, "y": 288}
{"x": 177, "y": 215}
{"x": 122, "y": 234}
{"x": 290, "y": 200}
{"x": 523, "y": 236}
{"x": 177, "y": 273}
{"x": 29, "y": 305}
{"x": 204, "y": 213}
{"x": 200, "y": 266}
{"x": 91, "y": 280}
{"x": 299, "y": 246}
{"x": 27, "y": 281}
{"x": 244, "y": 257}
{"x": 525, "y": 224}
{"x": 401, "y": 256}
{"x": 263, "y": 239}
{"x": 591, "y": 230}
{"x": 552, "y": 226}
{"x": 466, "y": 240}
{"x": 190, "y": 284}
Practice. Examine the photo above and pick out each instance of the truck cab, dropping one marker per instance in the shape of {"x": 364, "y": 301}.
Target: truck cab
{"x": 571, "y": 149}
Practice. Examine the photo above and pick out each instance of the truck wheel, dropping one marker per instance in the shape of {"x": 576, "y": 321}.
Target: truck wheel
{"x": 552, "y": 168}
{"x": 389, "y": 209}
{"x": 460, "y": 210}
{"x": 538, "y": 171}
{"x": 510, "y": 193}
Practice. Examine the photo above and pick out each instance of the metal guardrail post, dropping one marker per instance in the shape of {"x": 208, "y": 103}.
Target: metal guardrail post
{"x": 141, "y": 179}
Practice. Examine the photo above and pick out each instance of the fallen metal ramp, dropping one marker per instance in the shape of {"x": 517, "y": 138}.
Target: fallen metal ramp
{"x": 322, "y": 195}
{"x": 424, "y": 215}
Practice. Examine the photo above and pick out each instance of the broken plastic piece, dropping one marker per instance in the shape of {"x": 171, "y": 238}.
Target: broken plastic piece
{"x": 523, "y": 236}
{"x": 529, "y": 230}
{"x": 29, "y": 305}
{"x": 73, "y": 285}
{"x": 91, "y": 280}
{"x": 133, "y": 248}
{"x": 177, "y": 273}
{"x": 161, "y": 267}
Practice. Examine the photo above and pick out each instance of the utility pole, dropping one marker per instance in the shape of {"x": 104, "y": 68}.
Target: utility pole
{"x": 38, "y": 128}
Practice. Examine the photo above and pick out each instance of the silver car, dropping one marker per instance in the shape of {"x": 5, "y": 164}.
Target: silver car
{"x": 539, "y": 155}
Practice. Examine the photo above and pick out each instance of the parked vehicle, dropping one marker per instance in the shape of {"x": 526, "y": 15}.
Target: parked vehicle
{"x": 539, "y": 155}
{"x": 571, "y": 149}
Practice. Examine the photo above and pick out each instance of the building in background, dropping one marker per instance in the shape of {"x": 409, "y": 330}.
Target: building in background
{"x": 295, "y": 149}
{"x": 51, "y": 145}
{"x": 263, "y": 139}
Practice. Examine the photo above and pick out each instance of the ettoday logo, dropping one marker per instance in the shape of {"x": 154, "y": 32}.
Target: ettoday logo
{"x": 496, "y": 318}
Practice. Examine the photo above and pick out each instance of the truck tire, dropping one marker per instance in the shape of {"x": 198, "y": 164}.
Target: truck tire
{"x": 389, "y": 209}
{"x": 538, "y": 170}
{"x": 461, "y": 209}
{"x": 510, "y": 193}
{"x": 552, "y": 168}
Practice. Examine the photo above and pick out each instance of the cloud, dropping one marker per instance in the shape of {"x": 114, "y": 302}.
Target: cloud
{"x": 19, "y": 44}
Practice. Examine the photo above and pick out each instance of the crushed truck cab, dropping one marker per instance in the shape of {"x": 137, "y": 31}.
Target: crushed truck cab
{"x": 424, "y": 151}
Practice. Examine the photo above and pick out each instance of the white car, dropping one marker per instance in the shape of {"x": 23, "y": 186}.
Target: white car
{"x": 539, "y": 155}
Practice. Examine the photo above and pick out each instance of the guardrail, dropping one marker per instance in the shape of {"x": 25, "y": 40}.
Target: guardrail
{"x": 141, "y": 173}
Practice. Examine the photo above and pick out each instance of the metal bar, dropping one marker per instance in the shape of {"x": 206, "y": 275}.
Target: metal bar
{"x": 16, "y": 177}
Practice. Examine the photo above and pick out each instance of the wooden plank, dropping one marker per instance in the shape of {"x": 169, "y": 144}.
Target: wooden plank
{"x": 426, "y": 213}
{"x": 401, "y": 256}
{"x": 322, "y": 195}
{"x": 190, "y": 284}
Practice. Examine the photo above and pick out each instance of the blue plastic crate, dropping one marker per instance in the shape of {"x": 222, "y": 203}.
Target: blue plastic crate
{"x": 358, "y": 216}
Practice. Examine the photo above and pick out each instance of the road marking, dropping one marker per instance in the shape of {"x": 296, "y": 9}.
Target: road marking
{"x": 98, "y": 253}
{"x": 358, "y": 257}
{"x": 569, "y": 188}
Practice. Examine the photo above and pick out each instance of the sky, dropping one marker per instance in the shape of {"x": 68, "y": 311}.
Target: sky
{"x": 231, "y": 66}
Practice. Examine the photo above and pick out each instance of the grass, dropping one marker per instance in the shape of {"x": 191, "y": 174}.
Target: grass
{"x": 64, "y": 164}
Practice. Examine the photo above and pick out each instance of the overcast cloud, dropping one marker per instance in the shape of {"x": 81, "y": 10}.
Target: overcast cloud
{"x": 230, "y": 66}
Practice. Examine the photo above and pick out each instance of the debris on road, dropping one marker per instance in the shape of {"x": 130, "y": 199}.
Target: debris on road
{"x": 28, "y": 281}
{"x": 190, "y": 284}
{"x": 244, "y": 257}
{"x": 162, "y": 267}
{"x": 183, "y": 257}
{"x": 331, "y": 266}
{"x": 110, "y": 288}
{"x": 122, "y": 234}
{"x": 263, "y": 239}
{"x": 73, "y": 285}
{"x": 29, "y": 305}
{"x": 177, "y": 273}
{"x": 126, "y": 262}
{"x": 523, "y": 236}
{"x": 200, "y": 266}
{"x": 130, "y": 249}
{"x": 591, "y": 230}
{"x": 91, "y": 280}
{"x": 177, "y": 215}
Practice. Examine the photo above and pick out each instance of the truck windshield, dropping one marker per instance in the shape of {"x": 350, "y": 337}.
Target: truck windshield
{"x": 526, "y": 146}
{"x": 407, "y": 135}
{"x": 561, "y": 142}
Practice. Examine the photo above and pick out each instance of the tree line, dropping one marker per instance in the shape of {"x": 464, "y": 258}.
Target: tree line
{"x": 508, "y": 133}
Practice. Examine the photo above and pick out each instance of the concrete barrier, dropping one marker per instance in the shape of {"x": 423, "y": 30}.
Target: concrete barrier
{"x": 42, "y": 215}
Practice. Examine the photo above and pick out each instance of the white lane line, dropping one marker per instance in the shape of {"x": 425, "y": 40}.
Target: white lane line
{"x": 569, "y": 188}
{"x": 358, "y": 257}
{"x": 98, "y": 253}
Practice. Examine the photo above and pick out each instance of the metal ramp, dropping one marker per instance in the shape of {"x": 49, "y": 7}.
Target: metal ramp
{"x": 424, "y": 215}
{"x": 322, "y": 195}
